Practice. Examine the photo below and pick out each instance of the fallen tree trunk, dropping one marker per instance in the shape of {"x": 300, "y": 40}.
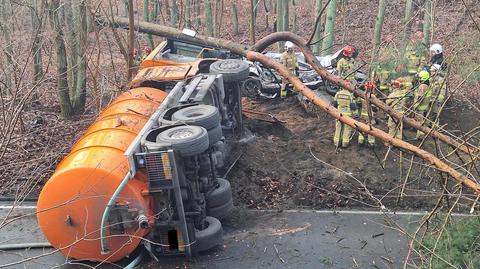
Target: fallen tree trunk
{"x": 165, "y": 31}
{"x": 362, "y": 127}
{"x": 286, "y": 36}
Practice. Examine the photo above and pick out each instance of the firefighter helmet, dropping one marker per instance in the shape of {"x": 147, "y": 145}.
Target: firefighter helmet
{"x": 423, "y": 76}
{"x": 348, "y": 51}
{"x": 436, "y": 48}
{"x": 289, "y": 45}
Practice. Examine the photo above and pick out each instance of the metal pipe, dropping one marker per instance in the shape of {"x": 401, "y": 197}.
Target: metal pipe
{"x": 106, "y": 213}
{"x": 25, "y": 246}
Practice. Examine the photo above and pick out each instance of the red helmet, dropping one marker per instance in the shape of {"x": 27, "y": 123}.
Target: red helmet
{"x": 396, "y": 83}
{"x": 147, "y": 50}
{"x": 369, "y": 85}
{"x": 348, "y": 51}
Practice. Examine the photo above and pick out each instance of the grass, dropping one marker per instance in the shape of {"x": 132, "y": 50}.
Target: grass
{"x": 459, "y": 244}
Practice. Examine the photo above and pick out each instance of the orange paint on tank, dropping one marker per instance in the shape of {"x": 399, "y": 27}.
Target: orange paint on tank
{"x": 71, "y": 204}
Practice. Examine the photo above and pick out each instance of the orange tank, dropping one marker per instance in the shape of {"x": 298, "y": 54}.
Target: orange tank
{"x": 72, "y": 202}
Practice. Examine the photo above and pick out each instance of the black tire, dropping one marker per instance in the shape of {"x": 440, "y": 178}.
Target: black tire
{"x": 220, "y": 212}
{"x": 221, "y": 194}
{"x": 205, "y": 116}
{"x": 252, "y": 87}
{"x": 188, "y": 140}
{"x": 232, "y": 70}
{"x": 209, "y": 237}
{"x": 330, "y": 88}
{"x": 215, "y": 135}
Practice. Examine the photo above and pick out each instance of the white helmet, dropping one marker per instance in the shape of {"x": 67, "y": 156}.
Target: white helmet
{"x": 436, "y": 48}
{"x": 289, "y": 45}
{"x": 435, "y": 68}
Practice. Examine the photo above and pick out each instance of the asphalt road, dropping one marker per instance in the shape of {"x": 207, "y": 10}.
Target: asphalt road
{"x": 254, "y": 239}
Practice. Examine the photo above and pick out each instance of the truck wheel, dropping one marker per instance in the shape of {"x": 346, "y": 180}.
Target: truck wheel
{"x": 221, "y": 211}
{"x": 221, "y": 194}
{"x": 251, "y": 87}
{"x": 232, "y": 70}
{"x": 209, "y": 237}
{"x": 205, "y": 116}
{"x": 331, "y": 88}
{"x": 188, "y": 140}
{"x": 215, "y": 134}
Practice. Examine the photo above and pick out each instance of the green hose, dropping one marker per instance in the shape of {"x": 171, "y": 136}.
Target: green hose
{"x": 106, "y": 213}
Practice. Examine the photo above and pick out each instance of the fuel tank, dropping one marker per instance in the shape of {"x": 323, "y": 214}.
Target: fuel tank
{"x": 72, "y": 202}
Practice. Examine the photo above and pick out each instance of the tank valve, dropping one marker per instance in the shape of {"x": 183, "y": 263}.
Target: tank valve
{"x": 143, "y": 221}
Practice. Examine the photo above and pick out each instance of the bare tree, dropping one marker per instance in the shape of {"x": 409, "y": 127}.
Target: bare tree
{"x": 252, "y": 22}
{"x": 188, "y": 14}
{"x": 235, "y": 18}
{"x": 8, "y": 65}
{"x": 318, "y": 29}
{"x": 378, "y": 29}
{"x": 327, "y": 43}
{"x": 427, "y": 22}
{"x": 37, "y": 30}
{"x": 148, "y": 16}
{"x": 209, "y": 18}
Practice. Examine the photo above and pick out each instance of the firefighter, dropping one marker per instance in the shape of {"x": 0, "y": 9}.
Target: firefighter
{"x": 436, "y": 51}
{"x": 397, "y": 100}
{"x": 346, "y": 65}
{"x": 366, "y": 113}
{"x": 289, "y": 60}
{"x": 344, "y": 102}
{"x": 381, "y": 76}
{"x": 439, "y": 91}
{"x": 422, "y": 99}
{"x": 146, "y": 51}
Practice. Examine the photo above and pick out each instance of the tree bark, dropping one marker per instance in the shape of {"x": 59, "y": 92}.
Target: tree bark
{"x": 318, "y": 30}
{"x": 37, "y": 30}
{"x": 66, "y": 109}
{"x": 146, "y": 17}
{"x": 131, "y": 39}
{"x": 427, "y": 23}
{"x": 252, "y": 22}
{"x": 378, "y": 29}
{"x": 407, "y": 24}
{"x": 294, "y": 17}
{"x": 327, "y": 43}
{"x": 80, "y": 88}
{"x": 235, "y": 18}
{"x": 174, "y": 14}
{"x": 208, "y": 18}
{"x": 8, "y": 66}
{"x": 284, "y": 36}
{"x": 72, "y": 46}
{"x": 188, "y": 14}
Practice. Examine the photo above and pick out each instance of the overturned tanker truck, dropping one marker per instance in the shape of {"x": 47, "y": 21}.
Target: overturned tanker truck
{"x": 147, "y": 171}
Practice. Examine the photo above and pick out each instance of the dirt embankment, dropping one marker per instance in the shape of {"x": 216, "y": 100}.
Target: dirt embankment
{"x": 295, "y": 165}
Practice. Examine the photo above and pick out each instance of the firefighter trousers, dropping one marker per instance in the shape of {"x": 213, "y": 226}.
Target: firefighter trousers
{"x": 342, "y": 134}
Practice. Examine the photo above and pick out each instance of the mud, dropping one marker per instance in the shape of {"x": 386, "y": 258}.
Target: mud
{"x": 295, "y": 165}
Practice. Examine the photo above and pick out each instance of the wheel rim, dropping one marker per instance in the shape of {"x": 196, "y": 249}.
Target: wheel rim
{"x": 251, "y": 88}
{"x": 181, "y": 134}
{"x": 229, "y": 65}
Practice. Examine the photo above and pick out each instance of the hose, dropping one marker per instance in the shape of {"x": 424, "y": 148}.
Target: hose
{"x": 135, "y": 262}
{"x": 25, "y": 246}
{"x": 106, "y": 213}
